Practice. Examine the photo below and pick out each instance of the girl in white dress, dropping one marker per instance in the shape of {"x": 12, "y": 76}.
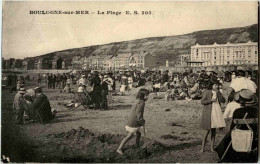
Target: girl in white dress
{"x": 217, "y": 119}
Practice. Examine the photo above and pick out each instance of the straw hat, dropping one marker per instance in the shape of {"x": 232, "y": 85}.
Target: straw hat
{"x": 246, "y": 94}
{"x": 22, "y": 91}
{"x": 37, "y": 89}
{"x": 249, "y": 97}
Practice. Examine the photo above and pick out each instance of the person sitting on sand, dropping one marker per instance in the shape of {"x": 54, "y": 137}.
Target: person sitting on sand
{"x": 82, "y": 96}
{"x": 136, "y": 120}
{"x": 156, "y": 86}
{"x": 175, "y": 93}
{"x": 67, "y": 89}
{"x": 195, "y": 92}
{"x": 41, "y": 106}
{"x": 20, "y": 106}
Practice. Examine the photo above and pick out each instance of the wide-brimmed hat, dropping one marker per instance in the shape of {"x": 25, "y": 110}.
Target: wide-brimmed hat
{"x": 246, "y": 94}
{"x": 215, "y": 73}
{"x": 36, "y": 89}
{"x": 22, "y": 91}
{"x": 249, "y": 97}
{"x": 252, "y": 102}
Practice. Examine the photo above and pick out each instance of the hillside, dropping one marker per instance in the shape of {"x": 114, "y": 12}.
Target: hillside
{"x": 165, "y": 47}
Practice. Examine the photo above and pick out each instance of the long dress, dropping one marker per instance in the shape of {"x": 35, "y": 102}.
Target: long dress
{"x": 123, "y": 84}
{"x": 217, "y": 119}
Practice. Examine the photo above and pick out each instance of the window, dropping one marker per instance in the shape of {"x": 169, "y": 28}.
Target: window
{"x": 256, "y": 52}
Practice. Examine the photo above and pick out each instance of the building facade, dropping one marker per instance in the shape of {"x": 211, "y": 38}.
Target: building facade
{"x": 122, "y": 60}
{"x": 143, "y": 59}
{"x": 43, "y": 63}
{"x": 225, "y": 54}
{"x": 9, "y": 63}
{"x": 184, "y": 58}
{"x": 77, "y": 62}
{"x": 87, "y": 61}
{"x": 108, "y": 63}
{"x": 96, "y": 62}
{"x": 26, "y": 64}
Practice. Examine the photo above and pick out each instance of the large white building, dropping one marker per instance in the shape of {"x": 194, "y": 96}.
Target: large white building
{"x": 224, "y": 54}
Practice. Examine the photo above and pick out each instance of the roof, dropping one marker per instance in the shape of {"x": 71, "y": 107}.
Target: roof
{"x": 141, "y": 54}
{"x": 228, "y": 44}
{"x": 95, "y": 57}
{"x": 124, "y": 55}
{"x": 195, "y": 62}
{"x": 108, "y": 57}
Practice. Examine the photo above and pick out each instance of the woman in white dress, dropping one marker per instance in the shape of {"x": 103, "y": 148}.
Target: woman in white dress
{"x": 130, "y": 82}
{"x": 124, "y": 82}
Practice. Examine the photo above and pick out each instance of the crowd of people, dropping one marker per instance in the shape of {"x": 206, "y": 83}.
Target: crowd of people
{"x": 242, "y": 100}
{"x": 94, "y": 89}
{"x": 243, "y": 97}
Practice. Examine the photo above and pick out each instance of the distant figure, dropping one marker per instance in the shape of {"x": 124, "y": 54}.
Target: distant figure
{"x": 39, "y": 79}
{"x": 104, "y": 92}
{"x": 95, "y": 82}
{"x": 124, "y": 81}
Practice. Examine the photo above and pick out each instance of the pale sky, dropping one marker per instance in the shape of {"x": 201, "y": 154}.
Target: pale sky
{"x": 26, "y": 35}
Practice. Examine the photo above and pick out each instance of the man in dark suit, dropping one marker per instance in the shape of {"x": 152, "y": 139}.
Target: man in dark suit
{"x": 95, "y": 82}
{"x": 50, "y": 81}
{"x": 41, "y": 106}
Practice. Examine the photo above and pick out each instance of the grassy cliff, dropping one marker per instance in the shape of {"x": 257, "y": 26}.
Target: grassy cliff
{"x": 168, "y": 47}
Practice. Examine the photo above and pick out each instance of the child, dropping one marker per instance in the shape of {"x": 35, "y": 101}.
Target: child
{"x": 80, "y": 96}
{"x": 136, "y": 120}
{"x": 232, "y": 106}
{"x": 130, "y": 82}
{"x": 212, "y": 117}
{"x": 67, "y": 89}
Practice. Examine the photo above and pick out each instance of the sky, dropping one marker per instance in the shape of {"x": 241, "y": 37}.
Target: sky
{"x": 28, "y": 35}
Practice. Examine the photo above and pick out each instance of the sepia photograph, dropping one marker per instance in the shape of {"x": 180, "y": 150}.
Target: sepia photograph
{"x": 129, "y": 82}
